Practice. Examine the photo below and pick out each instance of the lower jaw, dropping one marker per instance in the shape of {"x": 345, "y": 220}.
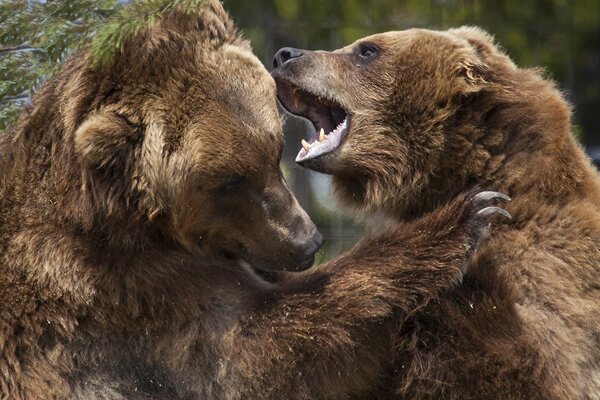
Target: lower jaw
{"x": 325, "y": 163}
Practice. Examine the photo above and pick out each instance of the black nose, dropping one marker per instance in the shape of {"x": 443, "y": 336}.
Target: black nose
{"x": 305, "y": 255}
{"x": 286, "y": 54}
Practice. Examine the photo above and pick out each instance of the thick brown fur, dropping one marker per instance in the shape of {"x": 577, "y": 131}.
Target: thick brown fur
{"x": 433, "y": 113}
{"x": 132, "y": 199}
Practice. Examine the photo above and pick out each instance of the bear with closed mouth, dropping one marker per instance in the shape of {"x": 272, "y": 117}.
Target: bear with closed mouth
{"x": 138, "y": 200}
{"x": 403, "y": 121}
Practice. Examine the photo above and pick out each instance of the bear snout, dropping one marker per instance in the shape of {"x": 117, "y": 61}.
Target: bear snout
{"x": 303, "y": 254}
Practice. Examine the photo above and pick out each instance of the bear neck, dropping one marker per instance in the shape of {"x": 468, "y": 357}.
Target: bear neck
{"x": 521, "y": 144}
{"x": 515, "y": 138}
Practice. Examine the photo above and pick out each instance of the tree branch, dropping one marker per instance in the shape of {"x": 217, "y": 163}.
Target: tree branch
{"x": 21, "y": 47}
{"x": 18, "y": 97}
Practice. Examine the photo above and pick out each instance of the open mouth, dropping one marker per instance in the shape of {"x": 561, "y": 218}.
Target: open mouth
{"x": 329, "y": 119}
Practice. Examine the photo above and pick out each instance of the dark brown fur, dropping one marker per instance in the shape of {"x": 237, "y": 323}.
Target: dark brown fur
{"x": 126, "y": 235}
{"x": 433, "y": 113}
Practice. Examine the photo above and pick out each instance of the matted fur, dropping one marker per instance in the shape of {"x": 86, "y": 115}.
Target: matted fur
{"x": 432, "y": 114}
{"x": 123, "y": 220}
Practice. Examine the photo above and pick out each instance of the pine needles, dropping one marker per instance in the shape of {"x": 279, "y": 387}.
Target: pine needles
{"x": 36, "y": 37}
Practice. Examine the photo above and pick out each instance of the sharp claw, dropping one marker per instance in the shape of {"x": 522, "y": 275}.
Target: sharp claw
{"x": 488, "y": 211}
{"x": 489, "y": 195}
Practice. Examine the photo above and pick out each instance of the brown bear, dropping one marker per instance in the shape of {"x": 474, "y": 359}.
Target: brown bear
{"x": 406, "y": 120}
{"x": 137, "y": 202}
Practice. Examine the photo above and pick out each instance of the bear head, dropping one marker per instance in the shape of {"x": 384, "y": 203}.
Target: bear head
{"x": 178, "y": 140}
{"x": 399, "y": 117}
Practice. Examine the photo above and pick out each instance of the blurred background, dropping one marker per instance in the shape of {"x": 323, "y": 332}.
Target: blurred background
{"x": 562, "y": 36}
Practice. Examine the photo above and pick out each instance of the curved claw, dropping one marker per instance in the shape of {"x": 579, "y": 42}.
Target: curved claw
{"x": 489, "y": 195}
{"x": 489, "y": 211}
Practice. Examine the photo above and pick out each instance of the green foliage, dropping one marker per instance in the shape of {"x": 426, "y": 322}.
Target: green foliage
{"x": 36, "y": 36}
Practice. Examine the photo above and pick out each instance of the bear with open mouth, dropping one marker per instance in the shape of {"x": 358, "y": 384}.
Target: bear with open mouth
{"x": 403, "y": 121}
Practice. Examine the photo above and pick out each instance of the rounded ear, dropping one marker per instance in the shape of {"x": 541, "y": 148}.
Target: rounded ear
{"x": 481, "y": 41}
{"x": 471, "y": 65}
{"x": 103, "y": 141}
{"x": 474, "y": 72}
{"x": 106, "y": 144}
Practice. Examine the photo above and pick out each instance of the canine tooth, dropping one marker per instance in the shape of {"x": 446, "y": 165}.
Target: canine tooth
{"x": 305, "y": 145}
{"x": 322, "y": 135}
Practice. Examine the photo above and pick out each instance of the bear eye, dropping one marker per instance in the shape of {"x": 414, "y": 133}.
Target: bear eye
{"x": 367, "y": 51}
{"x": 234, "y": 182}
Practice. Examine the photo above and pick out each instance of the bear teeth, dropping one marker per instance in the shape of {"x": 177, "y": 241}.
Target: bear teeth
{"x": 323, "y": 143}
{"x": 305, "y": 144}
{"x": 322, "y": 135}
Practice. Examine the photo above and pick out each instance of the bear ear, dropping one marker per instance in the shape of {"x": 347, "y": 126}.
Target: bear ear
{"x": 474, "y": 72}
{"x": 106, "y": 144}
{"x": 103, "y": 141}
{"x": 481, "y": 41}
{"x": 218, "y": 25}
{"x": 472, "y": 66}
